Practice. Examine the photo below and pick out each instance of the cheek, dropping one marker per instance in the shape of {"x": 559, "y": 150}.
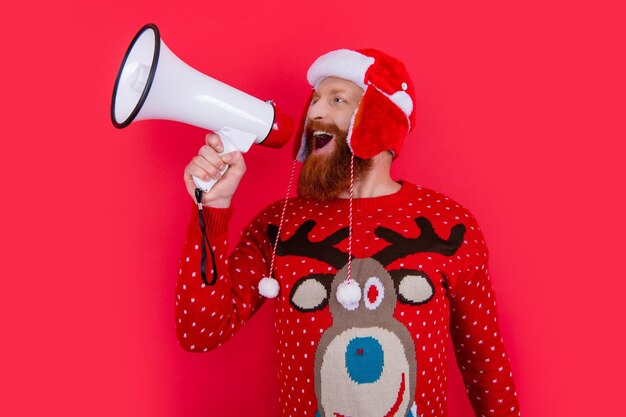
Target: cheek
{"x": 343, "y": 120}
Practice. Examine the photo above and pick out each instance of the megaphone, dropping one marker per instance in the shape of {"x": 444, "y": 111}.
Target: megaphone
{"x": 153, "y": 83}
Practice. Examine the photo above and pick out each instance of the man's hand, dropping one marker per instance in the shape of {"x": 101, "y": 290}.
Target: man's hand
{"x": 207, "y": 165}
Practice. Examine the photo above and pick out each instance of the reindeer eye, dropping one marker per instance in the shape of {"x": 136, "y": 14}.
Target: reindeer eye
{"x": 309, "y": 294}
{"x": 373, "y": 293}
{"x": 416, "y": 288}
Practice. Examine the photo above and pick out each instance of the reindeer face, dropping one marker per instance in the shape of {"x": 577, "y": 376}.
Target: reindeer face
{"x": 365, "y": 362}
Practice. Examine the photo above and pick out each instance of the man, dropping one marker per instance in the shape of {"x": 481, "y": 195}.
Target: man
{"x": 370, "y": 275}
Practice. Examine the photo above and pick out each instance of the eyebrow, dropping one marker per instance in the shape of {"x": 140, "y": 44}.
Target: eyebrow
{"x": 338, "y": 91}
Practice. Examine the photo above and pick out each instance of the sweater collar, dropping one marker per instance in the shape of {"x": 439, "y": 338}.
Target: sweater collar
{"x": 396, "y": 198}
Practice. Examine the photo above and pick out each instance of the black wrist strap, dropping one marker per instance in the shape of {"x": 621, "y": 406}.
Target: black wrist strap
{"x": 205, "y": 243}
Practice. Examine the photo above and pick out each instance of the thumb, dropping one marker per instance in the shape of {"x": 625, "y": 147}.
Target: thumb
{"x": 235, "y": 161}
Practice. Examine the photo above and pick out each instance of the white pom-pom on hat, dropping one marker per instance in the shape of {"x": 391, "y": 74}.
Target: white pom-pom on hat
{"x": 268, "y": 287}
{"x": 349, "y": 294}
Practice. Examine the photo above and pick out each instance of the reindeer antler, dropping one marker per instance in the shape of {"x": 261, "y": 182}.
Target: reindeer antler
{"x": 427, "y": 241}
{"x": 300, "y": 244}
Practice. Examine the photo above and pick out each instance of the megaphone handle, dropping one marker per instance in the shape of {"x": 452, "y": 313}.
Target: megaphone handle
{"x": 228, "y": 147}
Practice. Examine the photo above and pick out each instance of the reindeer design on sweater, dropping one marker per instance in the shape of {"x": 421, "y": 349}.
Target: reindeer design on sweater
{"x": 365, "y": 362}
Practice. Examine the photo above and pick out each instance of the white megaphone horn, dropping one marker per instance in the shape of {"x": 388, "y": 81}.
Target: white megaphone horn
{"x": 153, "y": 83}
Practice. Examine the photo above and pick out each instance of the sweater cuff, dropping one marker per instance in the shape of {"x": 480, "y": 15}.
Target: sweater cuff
{"x": 216, "y": 220}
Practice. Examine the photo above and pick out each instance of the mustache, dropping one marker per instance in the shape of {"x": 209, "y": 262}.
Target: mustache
{"x": 314, "y": 125}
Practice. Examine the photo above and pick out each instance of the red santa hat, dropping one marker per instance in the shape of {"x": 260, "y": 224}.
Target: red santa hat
{"x": 386, "y": 113}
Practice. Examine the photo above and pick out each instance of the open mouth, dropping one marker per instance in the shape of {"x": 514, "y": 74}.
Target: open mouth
{"x": 322, "y": 138}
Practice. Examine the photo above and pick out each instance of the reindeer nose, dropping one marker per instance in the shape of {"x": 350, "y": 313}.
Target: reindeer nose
{"x": 364, "y": 360}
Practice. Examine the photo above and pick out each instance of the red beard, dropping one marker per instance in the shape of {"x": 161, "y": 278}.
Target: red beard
{"x": 324, "y": 177}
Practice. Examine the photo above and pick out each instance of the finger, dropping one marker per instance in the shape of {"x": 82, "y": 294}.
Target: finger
{"x": 214, "y": 141}
{"x": 210, "y": 155}
{"x": 211, "y": 170}
{"x": 235, "y": 161}
{"x": 196, "y": 171}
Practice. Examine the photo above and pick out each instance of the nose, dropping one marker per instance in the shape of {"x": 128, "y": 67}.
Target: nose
{"x": 318, "y": 110}
{"x": 364, "y": 360}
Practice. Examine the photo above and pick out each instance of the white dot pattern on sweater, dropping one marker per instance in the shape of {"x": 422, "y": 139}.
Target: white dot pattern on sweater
{"x": 462, "y": 306}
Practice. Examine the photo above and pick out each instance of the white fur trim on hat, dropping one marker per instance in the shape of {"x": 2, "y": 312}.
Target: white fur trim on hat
{"x": 342, "y": 63}
{"x": 402, "y": 100}
{"x": 304, "y": 150}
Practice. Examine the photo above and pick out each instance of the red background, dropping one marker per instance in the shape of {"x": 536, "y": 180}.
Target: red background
{"x": 520, "y": 110}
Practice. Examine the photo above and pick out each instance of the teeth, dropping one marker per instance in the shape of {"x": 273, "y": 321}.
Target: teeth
{"x": 321, "y": 132}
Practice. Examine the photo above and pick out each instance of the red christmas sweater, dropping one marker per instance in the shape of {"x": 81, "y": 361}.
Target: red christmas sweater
{"x": 420, "y": 261}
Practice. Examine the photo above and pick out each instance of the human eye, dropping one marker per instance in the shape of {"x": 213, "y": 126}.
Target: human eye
{"x": 338, "y": 99}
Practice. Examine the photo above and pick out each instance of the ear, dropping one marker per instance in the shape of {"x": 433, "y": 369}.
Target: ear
{"x": 311, "y": 293}
{"x": 413, "y": 287}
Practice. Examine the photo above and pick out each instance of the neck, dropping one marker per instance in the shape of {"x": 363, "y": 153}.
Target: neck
{"x": 377, "y": 182}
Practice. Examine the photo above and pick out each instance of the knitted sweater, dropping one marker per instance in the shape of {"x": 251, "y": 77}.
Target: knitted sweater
{"x": 421, "y": 264}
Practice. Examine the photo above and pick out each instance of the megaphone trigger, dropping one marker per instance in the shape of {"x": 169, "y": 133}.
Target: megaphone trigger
{"x": 233, "y": 140}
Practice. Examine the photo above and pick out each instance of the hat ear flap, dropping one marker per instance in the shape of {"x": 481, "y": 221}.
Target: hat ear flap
{"x": 378, "y": 125}
{"x": 300, "y": 149}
